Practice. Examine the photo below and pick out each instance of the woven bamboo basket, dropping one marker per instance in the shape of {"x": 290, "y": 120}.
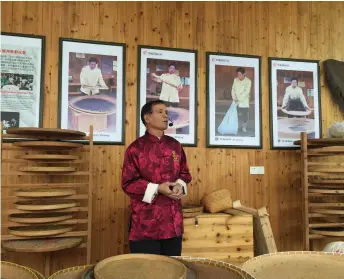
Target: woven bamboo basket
{"x": 52, "y": 132}
{"x": 335, "y": 247}
{"x": 47, "y": 144}
{"x": 140, "y": 266}
{"x": 217, "y": 201}
{"x": 37, "y": 231}
{"x": 41, "y": 244}
{"x": 190, "y": 211}
{"x": 44, "y": 204}
{"x": 15, "y": 271}
{"x": 39, "y": 218}
{"x": 38, "y": 274}
{"x": 297, "y": 265}
{"x": 203, "y": 268}
{"x": 70, "y": 273}
{"x": 44, "y": 192}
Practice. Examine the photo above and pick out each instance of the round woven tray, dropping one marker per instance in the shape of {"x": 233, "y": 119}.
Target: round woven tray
{"x": 326, "y": 191}
{"x": 41, "y": 245}
{"x": 140, "y": 266}
{"x": 202, "y": 268}
{"x": 190, "y": 211}
{"x": 328, "y": 211}
{"x": 47, "y": 144}
{"x": 38, "y": 274}
{"x": 334, "y": 231}
{"x": 45, "y": 132}
{"x": 44, "y": 192}
{"x": 48, "y": 157}
{"x": 44, "y": 204}
{"x": 70, "y": 273}
{"x": 44, "y": 230}
{"x": 296, "y": 265}
{"x": 217, "y": 201}
{"x": 39, "y": 218}
{"x": 48, "y": 169}
{"x": 15, "y": 271}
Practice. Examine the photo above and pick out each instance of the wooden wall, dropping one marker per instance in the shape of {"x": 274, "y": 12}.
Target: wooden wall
{"x": 310, "y": 30}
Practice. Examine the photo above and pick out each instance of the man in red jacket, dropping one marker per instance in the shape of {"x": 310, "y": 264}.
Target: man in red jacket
{"x": 155, "y": 176}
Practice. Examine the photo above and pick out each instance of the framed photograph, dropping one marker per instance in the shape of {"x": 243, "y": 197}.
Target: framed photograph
{"x": 234, "y": 104}
{"x": 170, "y": 75}
{"x": 22, "y": 80}
{"x": 295, "y": 101}
{"x": 92, "y": 89}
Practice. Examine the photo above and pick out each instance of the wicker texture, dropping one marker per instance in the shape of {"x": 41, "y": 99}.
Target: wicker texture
{"x": 44, "y": 192}
{"x": 44, "y": 204}
{"x": 15, "y": 271}
{"x": 88, "y": 273}
{"x": 202, "y": 268}
{"x": 41, "y": 245}
{"x": 217, "y": 201}
{"x": 297, "y": 265}
{"x": 70, "y": 273}
{"x": 140, "y": 266}
{"x": 45, "y": 230}
{"x": 39, "y": 218}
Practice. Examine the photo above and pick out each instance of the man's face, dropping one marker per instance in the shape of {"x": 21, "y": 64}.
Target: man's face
{"x": 241, "y": 76}
{"x": 92, "y": 65}
{"x": 172, "y": 69}
{"x": 158, "y": 119}
{"x": 293, "y": 83}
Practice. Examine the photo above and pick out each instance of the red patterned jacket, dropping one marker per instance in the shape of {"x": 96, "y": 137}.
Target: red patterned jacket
{"x": 148, "y": 162}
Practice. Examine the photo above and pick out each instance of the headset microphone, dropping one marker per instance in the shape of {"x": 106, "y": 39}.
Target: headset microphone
{"x": 171, "y": 123}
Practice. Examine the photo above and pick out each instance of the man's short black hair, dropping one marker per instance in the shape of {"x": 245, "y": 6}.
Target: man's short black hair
{"x": 148, "y": 108}
{"x": 92, "y": 59}
{"x": 294, "y": 78}
{"x": 241, "y": 70}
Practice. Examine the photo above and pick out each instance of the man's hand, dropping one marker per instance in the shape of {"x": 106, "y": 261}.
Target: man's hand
{"x": 164, "y": 188}
{"x": 177, "y": 192}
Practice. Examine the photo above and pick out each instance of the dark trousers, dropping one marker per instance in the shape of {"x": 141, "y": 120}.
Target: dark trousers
{"x": 166, "y": 247}
{"x": 243, "y": 114}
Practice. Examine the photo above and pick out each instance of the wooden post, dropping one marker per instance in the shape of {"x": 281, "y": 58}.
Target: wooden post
{"x": 90, "y": 195}
{"x": 304, "y": 183}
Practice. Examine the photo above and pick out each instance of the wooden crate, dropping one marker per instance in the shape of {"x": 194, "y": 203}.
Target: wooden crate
{"x": 219, "y": 237}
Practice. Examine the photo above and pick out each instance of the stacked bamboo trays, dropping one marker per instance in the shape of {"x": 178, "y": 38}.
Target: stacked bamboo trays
{"x": 47, "y": 190}
{"x": 323, "y": 191}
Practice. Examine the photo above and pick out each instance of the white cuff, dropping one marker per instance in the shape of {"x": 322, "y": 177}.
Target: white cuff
{"x": 181, "y": 182}
{"x": 151, "y": 192}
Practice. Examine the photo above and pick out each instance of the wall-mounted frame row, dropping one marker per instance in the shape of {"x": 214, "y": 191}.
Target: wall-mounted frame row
{"x": 92, "y": 86}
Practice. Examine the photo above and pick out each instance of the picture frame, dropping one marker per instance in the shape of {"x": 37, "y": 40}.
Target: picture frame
{"x": 295, "y": 101}
{"x": 234, "y": 101}
{"x": 22, "y": 80}
{"x": 92, "y": 88}
{"x": 170, "y": 75}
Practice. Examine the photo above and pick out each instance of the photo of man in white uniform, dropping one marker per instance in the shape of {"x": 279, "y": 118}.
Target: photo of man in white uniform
{"x": 91, "y": 78}
{"x": 171, "y": 86}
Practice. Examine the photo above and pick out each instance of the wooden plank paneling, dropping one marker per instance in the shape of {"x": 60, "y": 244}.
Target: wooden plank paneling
{"x": 310, "y": 30}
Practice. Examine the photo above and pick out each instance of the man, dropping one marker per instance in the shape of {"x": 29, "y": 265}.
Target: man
{"x": 293, "y": 99}
{"x": 241, "y": 96}
{"x": 155, "y": 176}
{"x": 171, "y": 86}
{"x": 91, "y": 78}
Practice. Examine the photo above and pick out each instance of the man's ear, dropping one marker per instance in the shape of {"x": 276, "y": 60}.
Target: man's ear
{"x": 147, "y": 118}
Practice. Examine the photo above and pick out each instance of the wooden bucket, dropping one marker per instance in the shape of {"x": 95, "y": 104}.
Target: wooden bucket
{"x": 70, "y": 273}
{"x": 15, "y": 271}
{"x": 202, "y": 268}
{"x": 297, "y": 265}
{"x": 140, "y": 266}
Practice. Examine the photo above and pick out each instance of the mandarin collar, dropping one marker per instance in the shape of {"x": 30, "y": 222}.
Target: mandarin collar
{"x": 154, "y": 138}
